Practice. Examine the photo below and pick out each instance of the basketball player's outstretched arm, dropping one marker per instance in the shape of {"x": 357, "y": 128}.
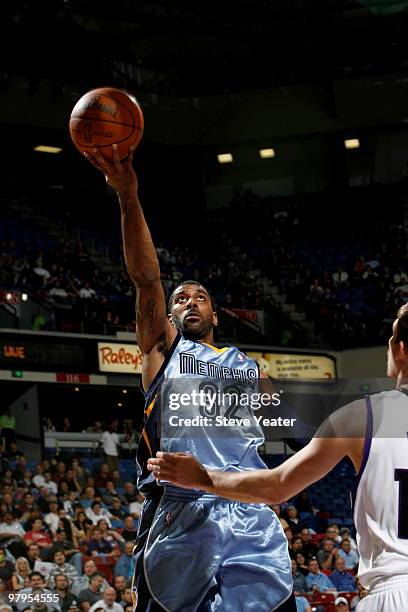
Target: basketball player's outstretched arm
{"x": 257, "y": 486}
{"x": 141, "y": 259}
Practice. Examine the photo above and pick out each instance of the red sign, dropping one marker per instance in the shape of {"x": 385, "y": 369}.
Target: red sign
{"x": 72, "y": 378}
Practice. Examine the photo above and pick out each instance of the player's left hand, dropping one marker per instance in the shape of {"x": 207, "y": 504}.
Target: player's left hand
{"x": 180, "y": 469}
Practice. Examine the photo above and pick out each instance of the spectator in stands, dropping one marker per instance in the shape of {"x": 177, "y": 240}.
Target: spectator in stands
{"x": 20, "y": 468}
{"x": 69, "y": 478}
{"x": 341, "y": 604}
{"x": 125, "y": 564}
{"x": 98, "y": 546}
{"x": 112, "y": 536}
{"x": 61, "y": 543}
{"x": 129, "y": 492}
{"x": 342, "y": 579}
{"x": 301, "y": 564}
{"x": 38, "y": 478}
{"x": 52, "y": 518}
{"x": 6, "y": 567}
{"x": 108, "y": 602}
{"x": 44, "y": 498}
{"x": 96, "y": 427}
{"x": 13, "y": 453}
{"x": 21, "y": 576}
{"x": 33, "y": 555}
{"x": 350, "y": 556}
{"x": 37, "y": 587}
{"x": 59, "y": 472}
{"x": 88, "y": 497}
{"x": 103, "y": 476}
{"x": 340, "y": 277}
{"x": 346, "y": 534}
{"x": 50, "y": 484}
{"x": 117, "y": 510}
{"x": 127, "y": 599}
{"x": 119, "y": 584}
{"x": 110, "y": 445}
{"x": 95, "y": 513}
{"x": 91, "y": 594}
{"x": 333, "y": 533}
{"x": 296, "y": 547}
{"x": 130, "y": 531}
{"x": 317, "y": 581}
{"x": 61, "y": 567}
{"x": 299, "y": 581}
{"x": 327, "y": 555}
{"x": 69, "y": 502}
{"x": 111, "y": 493}
{"x": 11, "y": 531}
{"x": 67, "y": 599}
{"x": 86, "y": 292}
{"x": 38, "y": 535}
{"x": 309, "y": 549}
{"x": 83, "y": 524}
{"x": 48, "y": 425}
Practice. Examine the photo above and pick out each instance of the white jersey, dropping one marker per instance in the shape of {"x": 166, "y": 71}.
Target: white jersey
{"x": 381, "y": 494}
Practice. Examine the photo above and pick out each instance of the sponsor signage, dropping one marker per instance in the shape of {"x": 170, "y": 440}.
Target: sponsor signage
{"x": 119, "y": 358}
{"x": 296, "y": 365}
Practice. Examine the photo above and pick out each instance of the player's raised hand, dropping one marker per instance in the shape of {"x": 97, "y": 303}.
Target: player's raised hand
{"x": 180, "y": 469}
{"x": 119, "y": 175}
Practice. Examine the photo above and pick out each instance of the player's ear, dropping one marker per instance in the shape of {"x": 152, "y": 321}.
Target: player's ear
{"x": 170, "y": 318}
{"x": 215, "y": 319}
{"x": 403, "y": 348}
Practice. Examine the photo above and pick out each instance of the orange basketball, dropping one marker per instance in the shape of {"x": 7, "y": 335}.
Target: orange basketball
{"x": 106, "y": 116}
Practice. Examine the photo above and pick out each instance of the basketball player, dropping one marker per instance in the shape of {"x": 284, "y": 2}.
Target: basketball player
{"x": 380, "y": 496}
{"x": 195, "y": 552}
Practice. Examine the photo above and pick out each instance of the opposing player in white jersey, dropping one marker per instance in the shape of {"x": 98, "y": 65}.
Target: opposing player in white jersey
{"x": 373, "y": 433}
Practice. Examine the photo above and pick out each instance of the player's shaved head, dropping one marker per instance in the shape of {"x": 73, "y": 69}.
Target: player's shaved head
{"x": 180, "y": 288}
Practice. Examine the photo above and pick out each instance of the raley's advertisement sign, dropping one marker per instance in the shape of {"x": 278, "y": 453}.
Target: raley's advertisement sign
{"x": 119, "y": 358}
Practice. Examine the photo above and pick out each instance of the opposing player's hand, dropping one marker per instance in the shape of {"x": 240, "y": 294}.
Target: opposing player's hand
{"x": 180, "y": 469}
{"x": 119, "y": 175}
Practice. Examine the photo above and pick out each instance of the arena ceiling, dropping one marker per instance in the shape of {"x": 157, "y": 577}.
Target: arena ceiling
{"x": 185, "y": 48}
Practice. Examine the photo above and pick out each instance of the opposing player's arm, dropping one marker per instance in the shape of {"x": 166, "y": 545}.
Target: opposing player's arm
{"x": 257, "y": 486}
{"x": 153, "y": 327}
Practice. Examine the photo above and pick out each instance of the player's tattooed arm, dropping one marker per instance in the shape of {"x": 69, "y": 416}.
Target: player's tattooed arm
{"x": 141, "y": 259}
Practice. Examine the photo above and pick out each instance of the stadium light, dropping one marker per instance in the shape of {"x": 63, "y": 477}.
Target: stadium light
{"x": 225, "y": 158}
{"x": 119, "y": 404}
{"x": 76, "y": 389}
{"x": 47, "y": 149}
{"x": 24, "y": 297}
{"x": 8, "y": 296}
{"x": 124, "y": 390}
{"x": 352, "y": 143}
{"x": 267, "y": 153}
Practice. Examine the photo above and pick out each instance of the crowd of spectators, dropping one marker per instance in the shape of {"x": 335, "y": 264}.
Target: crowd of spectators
{"x": 328, "y": 288}
{"x": 324, "y": 566}
{"x": 67, "y": 531}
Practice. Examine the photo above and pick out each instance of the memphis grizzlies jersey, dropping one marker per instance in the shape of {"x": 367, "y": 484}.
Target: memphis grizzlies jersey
{"x": 200, "y": 402}
{"x": 381, "y": 498}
